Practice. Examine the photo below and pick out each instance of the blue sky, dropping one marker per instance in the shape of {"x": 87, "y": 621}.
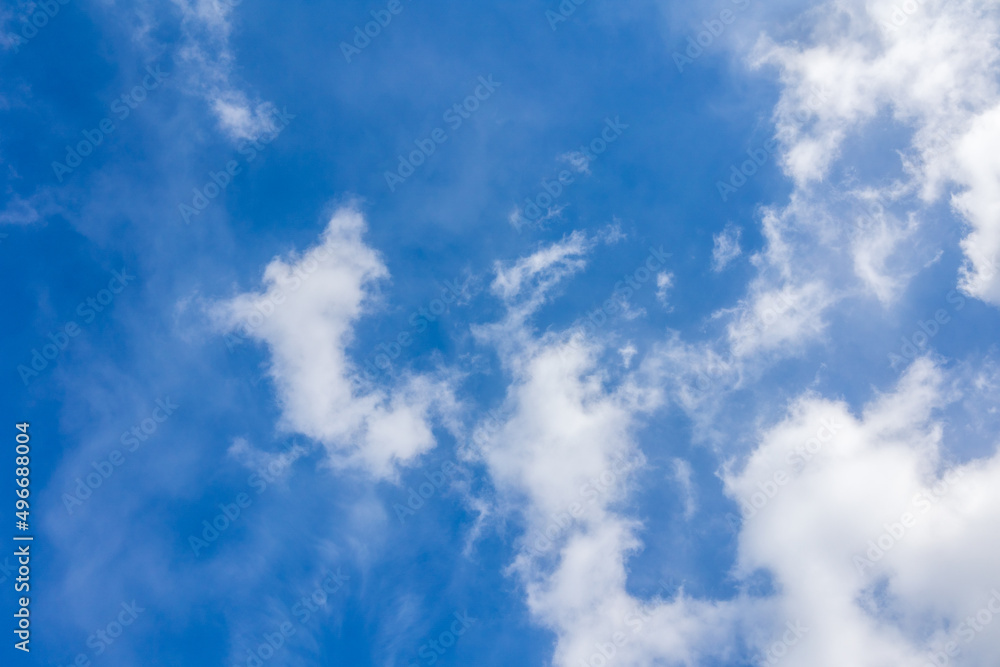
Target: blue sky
{"x": 292, "y": 403}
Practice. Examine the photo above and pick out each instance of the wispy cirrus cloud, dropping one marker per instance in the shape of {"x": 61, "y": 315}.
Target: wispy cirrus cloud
{"x": 210, "y": 63}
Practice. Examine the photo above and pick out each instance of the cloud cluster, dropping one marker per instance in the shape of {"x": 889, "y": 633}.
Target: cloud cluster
{"x": 932, "y": 67}
{"x": 563, "y": 457}
{"x": 876, "y": 536}
{"x": 861, "y": 220}
{"x": 876, "y": 540}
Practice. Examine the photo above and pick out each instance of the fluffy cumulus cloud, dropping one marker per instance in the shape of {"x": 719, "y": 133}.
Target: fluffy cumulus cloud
{"x": 563, "y": 455}
{"x": 305, "y": 314}
{"x": 873, "y": 533}
{"x": 977, "y": 167}
{"x": 931, "y": 66}
{"x": 878, "y": 541}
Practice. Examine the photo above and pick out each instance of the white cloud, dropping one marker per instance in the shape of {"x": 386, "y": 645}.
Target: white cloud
{"x": 305, "y": 315}
{"x": 875, "y": 246}
{"x": 664, "y": 283}
{"x": 726, "y": 247}
{"x": 778, "y": 319}
{"x": 827, "y": 491}
{"x": 612, "y": 233}
{"x": 19, "y": 212}
{"x": 577, "y": 160}
{"x": 935, "y": 74}
{"x": 241, "y": 118}
{"x": 784, "y": 310}
{"x": 562, "y": 456}
{"x": 562, "y": 452}
{"x": 695, "y": 374}
{"x": 628, "y": 353}
{"x": 879, "y": 547}
{"x": 567, "y": 421}
{"x": 823, "y": 484}
{"x": 206, "y": 50}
